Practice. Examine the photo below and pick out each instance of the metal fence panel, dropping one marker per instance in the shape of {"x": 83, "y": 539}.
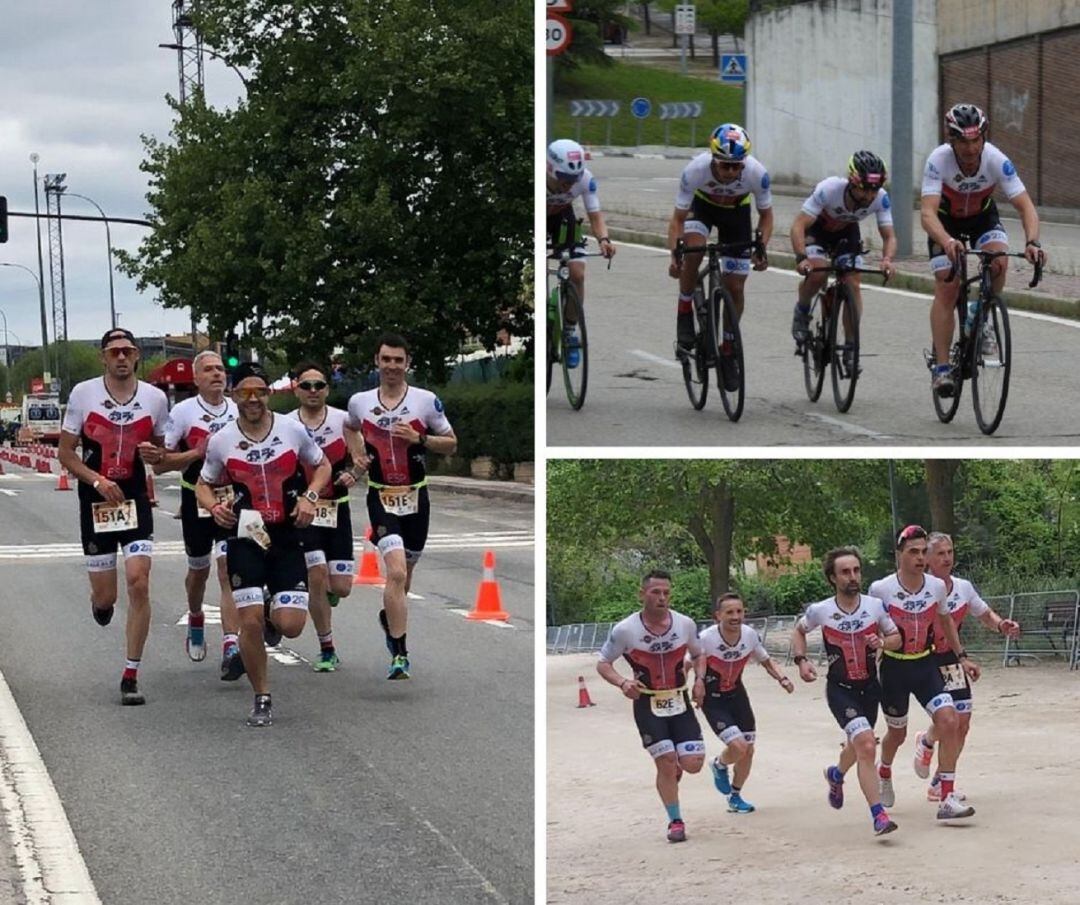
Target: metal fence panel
{"x": 1047, "y": 625}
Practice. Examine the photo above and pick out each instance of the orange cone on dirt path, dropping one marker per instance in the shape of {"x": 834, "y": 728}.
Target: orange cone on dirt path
{"x": 370, "y": 571}
{"x": 150, "y": 489}
{"x": 62, "y": 481}
{"x": 583, "y": 699}
{"x": 488, "y": 595}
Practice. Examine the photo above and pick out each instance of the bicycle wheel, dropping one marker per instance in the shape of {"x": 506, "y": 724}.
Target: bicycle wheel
{"x": 844, "y": 344}
{"x": 552, "y": 334}
{"x": 575, "y": 373}
{"x": 695, "y": 368}
{"x": 729, "y": 356}
{"x": 815, "y": 355}
{"x": 991, "y": 363}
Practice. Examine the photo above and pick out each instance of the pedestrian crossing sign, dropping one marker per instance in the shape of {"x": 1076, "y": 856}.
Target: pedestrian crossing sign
{"x": 733, "y": 68}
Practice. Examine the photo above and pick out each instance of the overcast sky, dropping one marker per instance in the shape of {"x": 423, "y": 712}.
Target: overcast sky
{"x": 79, "y": 83}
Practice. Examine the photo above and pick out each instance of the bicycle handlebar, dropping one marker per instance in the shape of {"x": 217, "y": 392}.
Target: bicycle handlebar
{"x": 756, "y": 246}
{"x": 985, "y": 257}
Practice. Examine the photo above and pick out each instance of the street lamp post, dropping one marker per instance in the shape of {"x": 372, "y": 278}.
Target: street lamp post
{"x": 41, "y": 292}
{"x": 34, "y": 158}
{"x": 108, "y": 243}
{"x": 7, "y": 364}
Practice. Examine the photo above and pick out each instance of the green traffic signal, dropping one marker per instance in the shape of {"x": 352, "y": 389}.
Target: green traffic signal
{"x": 232, "y": 361}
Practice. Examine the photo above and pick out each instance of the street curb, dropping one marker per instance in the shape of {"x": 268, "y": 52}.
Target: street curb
{"x": 502, "y": 490}
{"x": 1018, "y": 299}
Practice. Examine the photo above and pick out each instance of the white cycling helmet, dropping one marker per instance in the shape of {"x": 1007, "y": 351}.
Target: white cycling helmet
{"x": 565, "y": 160}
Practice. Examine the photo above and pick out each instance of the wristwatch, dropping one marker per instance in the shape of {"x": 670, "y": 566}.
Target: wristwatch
{"x": 798, "y": 658}
{"x": 311, "y": 496}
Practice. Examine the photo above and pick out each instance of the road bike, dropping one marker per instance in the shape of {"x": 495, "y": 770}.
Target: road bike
{"x": 567, "y": 338}
{"x": 982, "y": 352}
{"x": 717, "y": 340}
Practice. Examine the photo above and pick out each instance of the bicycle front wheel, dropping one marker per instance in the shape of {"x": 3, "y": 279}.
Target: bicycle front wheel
{"x": 695, "y": 367}
{"x": 552, "y": 335}
{"x": 815, "y": 354}
{"x": 575, "y": 347}
{"x": 730, "y": 377}
{"x": 991, "y": 363}
{"x": 844, "y": 343}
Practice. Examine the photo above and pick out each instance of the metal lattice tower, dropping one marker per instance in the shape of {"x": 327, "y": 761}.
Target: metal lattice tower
{"x": 189, "y": 55}
{"x": 54, "y": 189}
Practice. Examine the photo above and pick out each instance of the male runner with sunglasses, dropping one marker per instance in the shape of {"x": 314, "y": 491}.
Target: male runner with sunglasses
{"x": 119, "y": 421}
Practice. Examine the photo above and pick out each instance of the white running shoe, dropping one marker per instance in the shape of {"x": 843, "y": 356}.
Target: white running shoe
{"x": 951, "y": 809}
{"x": 923, "y": 756}
{"x": 888, "y": 796}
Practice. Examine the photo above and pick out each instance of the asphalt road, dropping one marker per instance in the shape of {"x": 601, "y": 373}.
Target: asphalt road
{"x": 636, "y": 395}
{"x": 363, "y": 790}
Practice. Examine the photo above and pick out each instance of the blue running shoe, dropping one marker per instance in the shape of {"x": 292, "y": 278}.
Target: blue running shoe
{"x": 196, "y": 642}
{"x": 232, "y": 665}
{"x": 720, "y": 777}
{"x": 736, "y": 805}
{"x": 572, "y": 349}
{"x": 883, "y": 825}
{"x": 399, "y": 668}
{"x": 836, "y": 787}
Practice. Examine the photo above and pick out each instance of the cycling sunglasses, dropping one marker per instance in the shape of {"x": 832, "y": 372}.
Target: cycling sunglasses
{"x": 246, "y": 394}
{"x": 312, "y": 385}
{"x": 119, "y": 351}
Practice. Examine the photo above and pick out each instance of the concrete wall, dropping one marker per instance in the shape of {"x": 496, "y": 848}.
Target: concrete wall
{"x": 820, "y": 84}
{"x": 974, "y": 23}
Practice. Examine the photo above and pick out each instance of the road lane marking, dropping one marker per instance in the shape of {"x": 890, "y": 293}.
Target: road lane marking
{"x": 47, "y": 855}
{"x": 656, "y": 359}
{"x": 498, "y": 623}
{"x": 848, "y": 427}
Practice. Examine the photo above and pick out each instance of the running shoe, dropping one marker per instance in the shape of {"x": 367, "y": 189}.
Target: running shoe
{"x": 720, "y": 777}
{"x": 923, "y": 756}
{"x": 196, "y": 642}
{"x": 676, "y": 831}
{"x": 232, "y": 665}
{"x": 399, "y": 668}
{"x": 888, "y": 794}
{"x": 102, "y": 617}
{"x": 129, "y": 693}
{"x": 571, "y": 348}
{"x": 943, "y": 383}
{"x": 836, "y": 788}
{"x": 332, "y": 598}
{"x": 261, "y": 715}
{"x": 737, "y": 805}
{"x": 800, "y": 324}
{"x": 952, "y": 809}
{"x": 933, "y": 793}
{"x": 386, "y": 631}
{"x": 883, "y": 825}
{"x": 328, "y": 661}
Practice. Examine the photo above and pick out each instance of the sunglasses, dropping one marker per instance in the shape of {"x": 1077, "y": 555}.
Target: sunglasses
{"x": 735, "y": 167}
{"x": 312, "y": 385}
{"x": 122, "y": 351}
{"x": 248, "y": 393}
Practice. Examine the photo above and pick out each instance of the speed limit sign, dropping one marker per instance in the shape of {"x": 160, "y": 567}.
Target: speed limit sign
{"x": 558, "y": 34}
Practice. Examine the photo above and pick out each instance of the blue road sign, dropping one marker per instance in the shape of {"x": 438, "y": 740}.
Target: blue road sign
{"x": 733, "y": 68}
{"x": 640, "y": 107}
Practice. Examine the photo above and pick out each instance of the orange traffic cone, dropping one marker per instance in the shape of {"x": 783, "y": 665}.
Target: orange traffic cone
{"x": 62, "y": 482}
{"x": 583, "y": 699}
{"x": 488, "y": 596}
{"x": 370, "y": 571}
{"x": 150, "y": 488}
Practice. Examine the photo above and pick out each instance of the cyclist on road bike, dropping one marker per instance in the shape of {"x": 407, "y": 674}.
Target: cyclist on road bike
{"x": 957, "y": 206}
{"x": 568, "y": 178}
{"x": 715, "y": 190}
{"x": 829, "y": 217}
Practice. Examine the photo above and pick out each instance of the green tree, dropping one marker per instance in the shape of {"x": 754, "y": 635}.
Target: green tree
{"x": 83, "y": 360}
{"x": 587, "y": 21}
{"x": 377, "y": 176}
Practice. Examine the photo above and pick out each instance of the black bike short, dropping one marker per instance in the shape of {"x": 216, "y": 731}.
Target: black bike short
{"x": 664, "y": 734}
{"x": 279, "y": 568}
{"x": 107, "y": 543}
{"x": 853, "y": 703}
{"x": 829, "y": 242}
{"x": 902, "y": 678}
{"x": 732, "y": 224}
{"x": 411, "y": 529}
{"x": 336, "y": 544}
{"x": 200, "y": 532}
{"x": 563, "y": 231}
{"x": 969, "y": 229}
{"x": 729, "y": 710}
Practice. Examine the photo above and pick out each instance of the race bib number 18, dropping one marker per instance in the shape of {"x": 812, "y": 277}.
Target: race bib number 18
{"x": 114, "y": 516}
{"x": 325, "y": 514}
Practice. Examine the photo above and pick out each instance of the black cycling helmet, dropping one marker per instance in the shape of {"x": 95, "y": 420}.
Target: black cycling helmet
{"x": 965, "y": 121}
{"x": 866, "y": 170}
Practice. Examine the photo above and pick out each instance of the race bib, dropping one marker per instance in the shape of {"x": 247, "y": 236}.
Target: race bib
{"x": 668, "y": 703}
{"x": 222, "y": 495}
{"x": 325, "y": 514}
{"x": 251, "y": 525}
{"x": 954, "y": 677}
{"x": 110, "y": 517}
{"x": 400, "y": 500}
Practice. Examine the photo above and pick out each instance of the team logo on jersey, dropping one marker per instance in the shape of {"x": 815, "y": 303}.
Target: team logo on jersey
{"x": 121, "y": 417}
{"x": 109, "y": 404}
{"x": 1007, "y": 168}
{"x": 284, "y": 598}
{"x": 207, "y": 418}
{"x": 234, "y": 580}
{"x": 377, "y": 410}
{"x": 91, "y": 548}
{"x": 885, "y": 202}
{"x": 764, "y": 180}
{"x": 243, "y": 444}
{"x": 438, "y": 404}
{"x": 647, "y": 639}
{"x": 851, "y": 713}
{"x": 732, "y": 653}
{"x": 259, "y": 455}
{"x": 836, "y": 617}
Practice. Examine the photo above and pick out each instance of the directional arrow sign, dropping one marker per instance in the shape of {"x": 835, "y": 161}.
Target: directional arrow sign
{"x": 593, "y": 108}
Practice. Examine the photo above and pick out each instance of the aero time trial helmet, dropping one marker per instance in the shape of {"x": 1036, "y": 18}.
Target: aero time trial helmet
{"x": 866, "y": 170}
{"x": 729, "y": 142}
{"x": 565, "y": 160}
{"x": 965, "y": 121}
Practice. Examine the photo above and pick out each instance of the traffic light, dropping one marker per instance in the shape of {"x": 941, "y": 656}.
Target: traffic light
{"x": 232, "y": 351}
{"x": 3, "y": 219}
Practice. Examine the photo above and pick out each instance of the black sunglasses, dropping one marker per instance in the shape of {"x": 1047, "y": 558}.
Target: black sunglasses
{"x": 312, "y": 384}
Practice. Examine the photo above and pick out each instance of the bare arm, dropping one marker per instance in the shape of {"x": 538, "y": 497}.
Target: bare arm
{"x": 611, "y": 675}
{"x": 798, "y": 241}
{"x": 798, "y": 649}
{"x": 600, "y": 231}
{"x": 888, "y": 250}
{"x": 931, "y": 224}
{"x": 784, "y": 681}
{"x": 996, "y": 624}
{"x": 1029, "y": 217}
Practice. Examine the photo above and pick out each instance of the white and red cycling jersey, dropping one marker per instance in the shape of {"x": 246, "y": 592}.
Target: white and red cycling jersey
{"x": 962, "y": 599}
{"x": 845, "y": 635}
{"x": 914, "y": 612}
{"x": 110, "y": 431}
{"x": 698, "y": 180}
{"x": 330, "y": 437}
{"x": 727, "y": 661}
{"x": 395, "y": 461}
{"x": 585, "y": 189}
{"x": 191, "y": 422}
{"x": 265, "y": 472}
{"x": 966, "y": 196}
{"x": 658, "y": 660}
{"x": 828, "y": 205}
